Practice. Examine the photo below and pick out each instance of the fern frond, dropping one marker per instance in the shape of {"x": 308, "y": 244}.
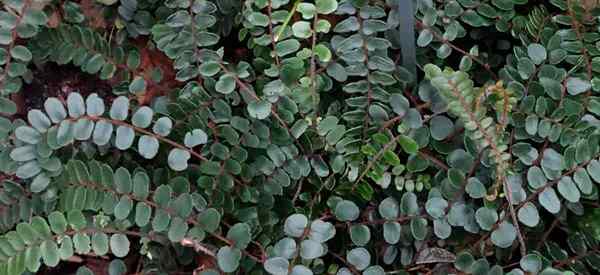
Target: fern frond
{"x": 125, "y": 199}
{"x": 58, "y": 127}
{"x": 14, "y": 56}
{"x": 182, "y": 40}
{"x": 87, "y": 49}
{"x": 18, "y": 204}
{"x": 503, "y": 101}
{"x": 536, "y": 21}
{"x": 458, "y": 90}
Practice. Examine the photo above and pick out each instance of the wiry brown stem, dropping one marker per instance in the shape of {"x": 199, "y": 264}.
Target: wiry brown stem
{"x": 12, "y": 44}
{"x": 584, "y": 51}
{"x": 143, "y": 131}
{"x": 486, "y": 66}
{"x": 571, "y": 260}
{"x": 193, "y": 220}
{"x": 341, "y": 259}
{"x": 252, "y": 94}
{"x": 536, "y": 193}
{"x": 375, "y": 159}
{"x": 427, "y": 155}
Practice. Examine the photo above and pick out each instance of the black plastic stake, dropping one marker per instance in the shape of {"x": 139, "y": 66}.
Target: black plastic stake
{"x": 406, "y": 12}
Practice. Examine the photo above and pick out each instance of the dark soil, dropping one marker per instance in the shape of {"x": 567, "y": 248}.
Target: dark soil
{"x": 98, "y": 265}
{"x": 53, "y": 80}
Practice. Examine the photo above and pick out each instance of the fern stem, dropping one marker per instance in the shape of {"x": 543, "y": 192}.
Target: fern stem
{"x": 252, "y": 94}
{"x": 440, "y": 164}
{"x": 13, "y": 34}
{"x": 375, "y": 159}
{"x": 584, "y": 51}
{"x": 143, "y": 131}
{"x": 193, "y": 220}
{"x": 486, "y": 66}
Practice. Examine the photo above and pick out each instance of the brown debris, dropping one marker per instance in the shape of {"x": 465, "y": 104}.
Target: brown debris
{"x": 93, "y": 13}
{"x": 151, "y": 59}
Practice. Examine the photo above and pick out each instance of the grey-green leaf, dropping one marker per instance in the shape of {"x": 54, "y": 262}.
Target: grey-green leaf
{"x": 55, "y": 109}
{"x": 346, "y": 210}
{"x": 528, "y": 215}
{"x": 178, "y": 159}
{"x": 537, "y": 53}
{"x": 486, "y": 217}
{"x": 163, "y": 126}
{"x": 389, "y": 208}
{"x": 124, "y": 137}
{"x": 277, "y": 266}
{"x": 321, "y": 231}
{"x": 360, "y": 234}
{"x": 326, "y": 6}
{"x": 28, "y": 135}
{"x": 360, "y": 258}
{"x": 549, "y": 200}
{"x": 195, "y": 138}
{"x": 94, "y": 105}
{"x": 240, "y": 234}
{"x": 310, "y": 249}
{"x": 102, "y": 132}
{"x": 567, "y": 188}
{"x": 228, "y": 258}
{"x": 225, "y": 84}
{"x": 38, "y": 120}
{"x": 137, "y": 85}
{"x": 295, "y": 225}
{"x": 21, "y": 53}
{"x": 531, "y": 263}
{"x": 120, "y": 108}
{"x": 142, "y": 117}
{"x": 259, "y": 109}
{"x": 75, "y": 105}
{"x": 577, "y": 85}
{"x": 436, "y": 207}
{"x": 119, "y": 245}
{"x": 391, "y": 232}
{"x": 504, "y": 235}
{"x": 148, "y": 146}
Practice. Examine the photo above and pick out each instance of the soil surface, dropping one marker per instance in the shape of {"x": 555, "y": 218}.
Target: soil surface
{"x": 53, "y": 80}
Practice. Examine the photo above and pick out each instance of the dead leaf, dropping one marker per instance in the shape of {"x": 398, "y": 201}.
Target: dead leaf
{"x": 151, "y": 59}
{"x": 93, "y": 12}
{"x": 198, "y": 246}
{"x": 432, "y": 255}
{"x": 590, "y": 4}
{"x": 206, "y": 259}
{"x": 54, "y": 20}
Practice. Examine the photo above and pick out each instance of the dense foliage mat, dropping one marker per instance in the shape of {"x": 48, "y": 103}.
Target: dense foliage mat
{"x": 285, "y": 137}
